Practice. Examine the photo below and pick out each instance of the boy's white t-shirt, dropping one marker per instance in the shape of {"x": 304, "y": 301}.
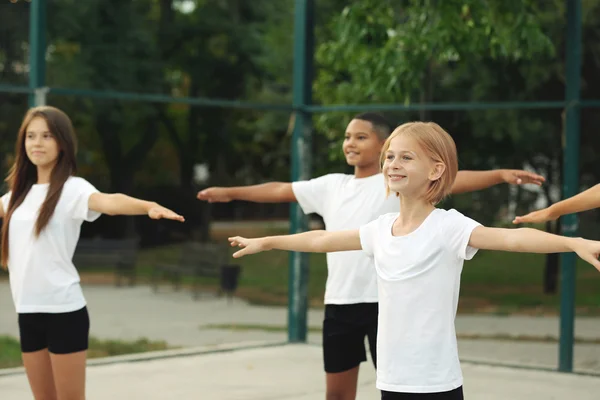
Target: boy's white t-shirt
{"x": 419, "y": 282}
{"x": 346, "y": 202}
{"x": 42, "y": 276}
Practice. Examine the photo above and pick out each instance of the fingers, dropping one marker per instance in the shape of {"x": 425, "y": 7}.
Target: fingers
{"x": 523, "y": 177}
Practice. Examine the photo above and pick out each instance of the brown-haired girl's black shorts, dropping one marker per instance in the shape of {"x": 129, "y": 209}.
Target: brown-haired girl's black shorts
{"x": 61, "y": 333}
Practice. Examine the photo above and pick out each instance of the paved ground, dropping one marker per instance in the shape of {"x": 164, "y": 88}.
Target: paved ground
{"x": 289, "y": 372}
{"x": 254, "y": 371}
{"x": 132, "y": 313}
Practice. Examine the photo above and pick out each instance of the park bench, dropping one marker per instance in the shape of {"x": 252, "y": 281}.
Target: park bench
{"x": 199, "y": 261}
{"x": 117, "y": 254}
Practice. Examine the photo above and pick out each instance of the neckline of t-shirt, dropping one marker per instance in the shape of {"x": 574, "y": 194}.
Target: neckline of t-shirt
{"x": 425, "y": 221}
{"x": 40, "y": 184}
{"x": 365, "y": 179}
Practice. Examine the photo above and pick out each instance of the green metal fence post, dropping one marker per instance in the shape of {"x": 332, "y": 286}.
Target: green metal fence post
{"x": 37, "y": 52}
{"x": 301, "y": 143}
{"x": 570, "y": 180}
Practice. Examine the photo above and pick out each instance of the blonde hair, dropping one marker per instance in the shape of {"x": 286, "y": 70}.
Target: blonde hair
{"x": 439, "y": 146}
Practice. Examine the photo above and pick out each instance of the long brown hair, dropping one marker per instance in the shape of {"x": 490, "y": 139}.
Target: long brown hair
{"x": 23, "y": 173}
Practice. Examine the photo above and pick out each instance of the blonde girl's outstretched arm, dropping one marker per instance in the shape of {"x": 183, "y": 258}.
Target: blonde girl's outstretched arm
{"x": 583, "y": 201}
{"x": 308, "y": 242}
{"x": 528, "y": 240}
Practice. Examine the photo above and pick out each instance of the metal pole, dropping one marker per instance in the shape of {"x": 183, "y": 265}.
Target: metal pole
{"x": 301, "y": 144}
{"x": 37, "y": 52}
{"x": 570, "y": 180}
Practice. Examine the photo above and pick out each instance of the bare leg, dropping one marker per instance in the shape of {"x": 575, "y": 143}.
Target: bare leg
{"x": 342, "y": 385}
{"x": 69, "y": 375}
{"x": 39, "y": 373}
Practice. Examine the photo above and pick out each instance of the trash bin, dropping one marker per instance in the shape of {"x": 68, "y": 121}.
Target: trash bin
{"x": 229, "y": 279}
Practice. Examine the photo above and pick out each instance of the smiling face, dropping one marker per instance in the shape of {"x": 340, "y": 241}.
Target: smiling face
{"x": 362, "y": 145}
{"x": 419, "y": 161}
{"x": 40, "y": 144}
{"x": 408, "y": 170}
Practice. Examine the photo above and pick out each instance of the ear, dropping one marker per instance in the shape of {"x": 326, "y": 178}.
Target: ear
{"x": 437, "y": 171}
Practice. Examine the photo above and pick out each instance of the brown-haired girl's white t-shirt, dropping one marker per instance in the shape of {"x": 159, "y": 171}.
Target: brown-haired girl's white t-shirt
{"x": 42, "y": 276}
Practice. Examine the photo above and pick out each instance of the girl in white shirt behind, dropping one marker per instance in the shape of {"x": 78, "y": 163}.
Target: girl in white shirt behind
{"x": 418, "y": 256}
{"x": 42, "y": 216}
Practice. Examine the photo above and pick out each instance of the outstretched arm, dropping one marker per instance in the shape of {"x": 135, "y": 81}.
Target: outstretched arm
{"x": 120, "y": 204}
{"x": 471, "y": 181}
{"x": 581, "y": 202}
{"x": 272, "y": 192}
{"x": 308, "y": 242}
{"x": 527, "y": 240}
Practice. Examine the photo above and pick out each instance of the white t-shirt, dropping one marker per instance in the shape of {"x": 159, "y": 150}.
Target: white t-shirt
{"x": 42, "y": 276}
{"x": 346, "y": 202}
{"x": 419, "y": 281}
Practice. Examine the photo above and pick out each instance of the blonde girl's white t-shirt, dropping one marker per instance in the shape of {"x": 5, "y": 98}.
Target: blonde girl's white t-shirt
{"x": 42, "y": 276}
{"x": 346, "y": 202}
{"x": 419, "y": 280}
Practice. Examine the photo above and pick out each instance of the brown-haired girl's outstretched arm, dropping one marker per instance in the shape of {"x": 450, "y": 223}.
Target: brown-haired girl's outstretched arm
{"x": 120, "y": 204}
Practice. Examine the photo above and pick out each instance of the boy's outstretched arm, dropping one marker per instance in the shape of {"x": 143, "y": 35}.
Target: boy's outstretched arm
{"x": 272, "y": 192}
{"x": 528, "y": 240}
{"x": 471, "y": 181}
{"x": 583, "y": 201}
{"x": 307, "y": 242}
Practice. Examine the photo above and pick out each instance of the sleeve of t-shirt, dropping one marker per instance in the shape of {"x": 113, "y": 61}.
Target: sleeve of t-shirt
{"x": 79, "y": 206}
{"x": 312, "y": 194}
{"x": 368, "y": 236}
{"x": 5, "y": 200}
{"x": 456, "y": 233}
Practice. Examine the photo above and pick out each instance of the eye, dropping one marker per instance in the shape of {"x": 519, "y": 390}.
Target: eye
{"x": 362, "y": 137}
{"x": 406, "y": 157}
{"x": 389, "y": 157}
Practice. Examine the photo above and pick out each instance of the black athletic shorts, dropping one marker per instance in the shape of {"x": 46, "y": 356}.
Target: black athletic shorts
{"x": 344, "y": 330}
{"x": 456, "y": 394}
{"x": 61, "y": 333}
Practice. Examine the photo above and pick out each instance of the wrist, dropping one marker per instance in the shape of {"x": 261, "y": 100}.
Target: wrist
{"x": 268, "y": 243}
{"x": 573, "y": 242}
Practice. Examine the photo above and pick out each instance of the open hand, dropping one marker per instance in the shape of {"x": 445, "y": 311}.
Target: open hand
{"x": 521, "y": 177}
{"x": 538, "y": 216}
{"x": 249, "y": 246}
{"x": 160, "y": 212}
{"x": 588, "y": 250}
{"x": 214, "y": 195}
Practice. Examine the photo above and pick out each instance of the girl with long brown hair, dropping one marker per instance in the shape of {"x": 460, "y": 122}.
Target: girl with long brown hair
{"x": 42, "y": 216}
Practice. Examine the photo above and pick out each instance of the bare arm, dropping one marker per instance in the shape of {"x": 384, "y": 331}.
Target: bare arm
{"x": 1, "y": 209}
{"x": 471, "y": 181}
{"x": 120, "y": 204}
{"x": 527, "y": 240}
{"x": 272, "y": 192}
{"x": 308, "y": 242}
{"x": 581, "y": 202}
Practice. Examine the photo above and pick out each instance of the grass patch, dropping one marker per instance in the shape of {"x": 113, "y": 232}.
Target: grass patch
{"x": 10, "y": 349}
{"x": 497, "y": 283}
